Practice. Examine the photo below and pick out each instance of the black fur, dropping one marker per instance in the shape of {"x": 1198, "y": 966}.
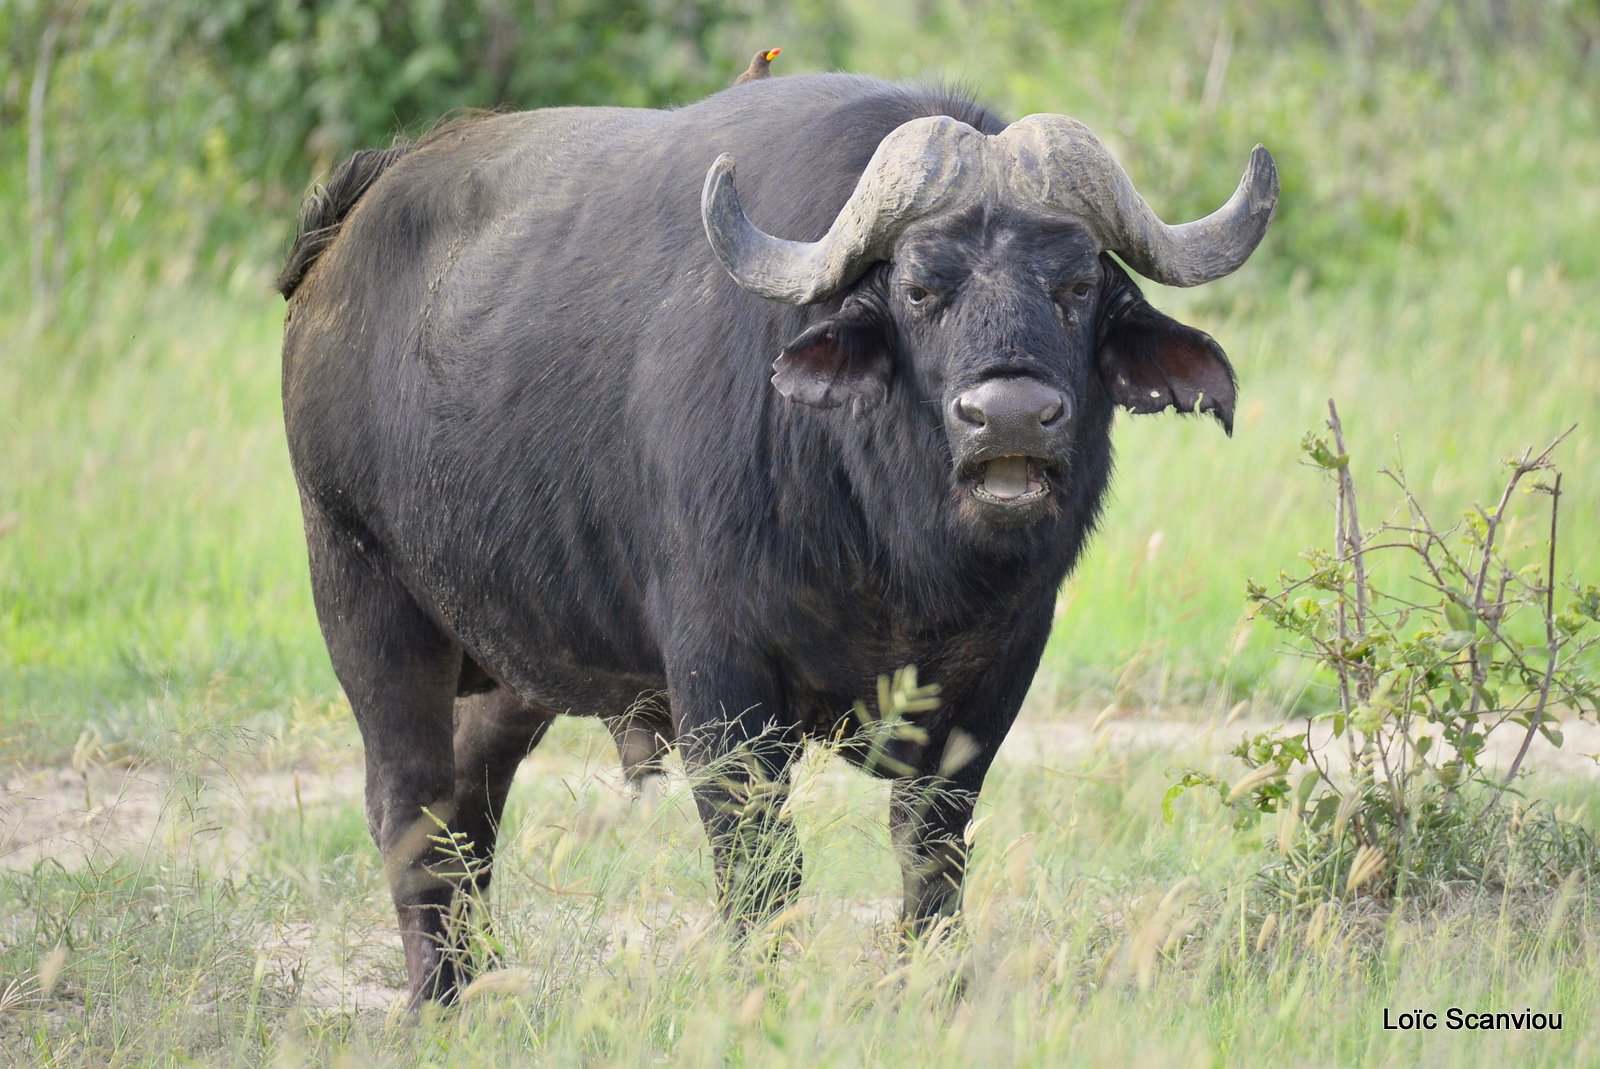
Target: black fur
{"x": 539, "y": 451}
{"x": 326, "y": 207}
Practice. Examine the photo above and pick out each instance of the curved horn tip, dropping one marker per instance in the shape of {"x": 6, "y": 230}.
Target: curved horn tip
{"x": 1261, "y": 162}
{"x": 721, "y": 167}
{"x": 718, "y": 177}
{"x": 1262, "y": 174}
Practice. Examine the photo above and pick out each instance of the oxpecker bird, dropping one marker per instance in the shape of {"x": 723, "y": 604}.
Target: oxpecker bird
{"x": 760, "y": 66}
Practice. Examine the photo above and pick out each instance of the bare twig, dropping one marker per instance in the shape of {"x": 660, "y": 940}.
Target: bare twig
{"x": 1492, "y": 522}
{"x": 1349, "y": 539}
{"x": 1537, "y": 718}
{"x": 1311, "y": 755}
{"x": 1345, "y": 548}
{"x": 1480, "y": 610}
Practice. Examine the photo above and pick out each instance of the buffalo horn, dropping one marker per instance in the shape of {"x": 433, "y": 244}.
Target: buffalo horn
{"x": 916, "y": 170}
{"x": 1061, "y": 165}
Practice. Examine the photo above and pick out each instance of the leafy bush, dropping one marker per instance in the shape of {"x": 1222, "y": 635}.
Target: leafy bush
{"x": 1433, "y": 641}
{"x": 343, "y": 74}
{"x": 178, "y": 135}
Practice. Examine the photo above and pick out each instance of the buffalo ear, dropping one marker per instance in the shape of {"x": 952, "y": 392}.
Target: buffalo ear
{"x": 1150, "y": 362}
{"x": 843, "y": 358}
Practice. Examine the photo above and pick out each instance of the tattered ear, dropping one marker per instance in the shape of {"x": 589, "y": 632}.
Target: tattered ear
{"x": 1150, "y": 362}
{"x": 843, "y": 358}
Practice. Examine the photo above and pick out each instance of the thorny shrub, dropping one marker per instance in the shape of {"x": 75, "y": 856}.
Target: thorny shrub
{"x": 1430, "y": 641}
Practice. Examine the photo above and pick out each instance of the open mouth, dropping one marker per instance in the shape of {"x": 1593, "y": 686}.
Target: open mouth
{"x": 1010, "y": 480}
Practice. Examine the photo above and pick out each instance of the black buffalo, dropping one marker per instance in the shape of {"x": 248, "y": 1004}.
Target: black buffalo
{"x": 549, "y": 465}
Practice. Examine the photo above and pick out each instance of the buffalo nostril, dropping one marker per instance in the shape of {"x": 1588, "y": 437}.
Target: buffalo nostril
{"x": 1010, "y": 406}
{"x": 969, "y": 411}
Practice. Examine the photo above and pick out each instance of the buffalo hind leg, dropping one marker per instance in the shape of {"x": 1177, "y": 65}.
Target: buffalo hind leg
{"x": 399, "y": 672}
{"x": 643, "y": 735}
{"x": 494, "y": 731}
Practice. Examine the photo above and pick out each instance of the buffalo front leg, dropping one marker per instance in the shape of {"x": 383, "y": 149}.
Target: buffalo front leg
{"x": 928, "y": 818}
{"x": 929, "y": 815}
{"x": 737, "y": 752}
{"x": 930, "y": 811}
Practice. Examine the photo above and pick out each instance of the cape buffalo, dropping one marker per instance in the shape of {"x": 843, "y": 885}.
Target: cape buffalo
{"x": 549, "y": 465}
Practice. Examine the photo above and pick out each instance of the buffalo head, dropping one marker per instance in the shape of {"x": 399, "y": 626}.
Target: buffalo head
{"x": 976, "y": 268}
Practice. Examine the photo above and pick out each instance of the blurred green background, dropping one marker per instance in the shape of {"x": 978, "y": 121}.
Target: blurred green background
{"x": 1433, "y": 267}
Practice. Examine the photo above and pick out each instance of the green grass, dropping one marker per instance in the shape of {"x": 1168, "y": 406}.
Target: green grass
{"x": 1095, "y": 929}
{"x": 152, "y": 576}
{"x": 153, "y": 565}
{"x": 1432, "y": 268}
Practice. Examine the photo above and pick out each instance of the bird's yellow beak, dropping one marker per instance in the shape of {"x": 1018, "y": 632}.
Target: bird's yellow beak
{"x": 772, "y": 55}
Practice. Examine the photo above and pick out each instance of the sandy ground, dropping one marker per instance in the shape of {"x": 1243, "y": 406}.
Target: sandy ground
{"x": 92, "y": 814}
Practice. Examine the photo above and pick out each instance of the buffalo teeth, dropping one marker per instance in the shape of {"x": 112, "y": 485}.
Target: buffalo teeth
{"x": 1009, "y": 478}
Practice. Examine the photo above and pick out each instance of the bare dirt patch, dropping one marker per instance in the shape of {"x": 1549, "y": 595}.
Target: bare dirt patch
{"x": 93, "y": 814}
{"x": 76, "y": 816}
{"x": 1045, "y": 740}
{"x": 90, "y": 816}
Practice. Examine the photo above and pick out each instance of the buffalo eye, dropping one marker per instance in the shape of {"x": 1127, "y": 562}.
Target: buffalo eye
{"x": 1073, "y": 299}
{"x": 1076, "y": 292}
{"x": 917, "y": 296}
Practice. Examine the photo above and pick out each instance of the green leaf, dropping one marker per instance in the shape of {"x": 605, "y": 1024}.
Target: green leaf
{"x": 1169, "y": 800}
{"x": 1458, "y": 617}
{"x": 1322, "y": 455}
{"x": 1302, "y": 792}
{"x": 1323, "y": 813}
{"x": 1367, "y": 720}
{"x": 1191, "y": 778}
